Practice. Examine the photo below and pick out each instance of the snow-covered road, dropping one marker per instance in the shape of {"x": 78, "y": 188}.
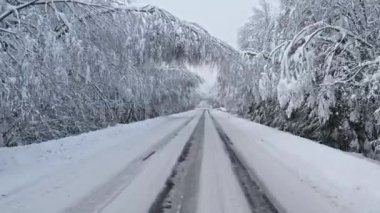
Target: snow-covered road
{"x": 197, "y": 161}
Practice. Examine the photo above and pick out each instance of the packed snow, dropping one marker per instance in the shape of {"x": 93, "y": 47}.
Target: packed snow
{"x": 124, "y": 168}
{"x": 301, "y": 175}
{"x": 55, "y": 175}
{"x": 216, "y": 172}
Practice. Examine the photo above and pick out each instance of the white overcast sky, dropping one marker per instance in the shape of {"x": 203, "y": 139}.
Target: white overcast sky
{"x": 221, "y": 18}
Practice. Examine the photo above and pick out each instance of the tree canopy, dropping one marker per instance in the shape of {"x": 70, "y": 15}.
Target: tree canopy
{"x": 314, "y": 71}
{"x": 70, "y": 66}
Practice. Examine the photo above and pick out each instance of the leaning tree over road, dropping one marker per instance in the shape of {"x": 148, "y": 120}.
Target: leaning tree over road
{"x": 70, "y": 66}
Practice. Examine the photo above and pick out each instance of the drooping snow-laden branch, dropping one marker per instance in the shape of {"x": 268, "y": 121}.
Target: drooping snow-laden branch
{"x": 147, "y": 13}
{"x": 277, "y": 49}
{"x": 252, "y": 54}
{"x": 323, "y": 78}
{"x": 355, "y": 71}
{"x": 338, "y": 29}
{"x": 6, "y": 31}
{"x": 72, "y": 67}
{"x": 310, "y": 33}
{"x": 307, "y": 34}
{"x": 16, "y": 9}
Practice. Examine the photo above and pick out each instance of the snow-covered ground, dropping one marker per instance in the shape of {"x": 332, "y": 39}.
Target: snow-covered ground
{"x": 124, "y": 169}
{"x": 55, "y": 175}
{"x": 301, "y": 175}
{"x": 216, "y": 172}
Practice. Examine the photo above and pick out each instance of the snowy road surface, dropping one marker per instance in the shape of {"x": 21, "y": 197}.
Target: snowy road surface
{"x": 197, "y": 161}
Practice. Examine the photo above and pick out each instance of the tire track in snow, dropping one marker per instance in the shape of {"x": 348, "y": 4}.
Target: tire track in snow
{"x": 102, "y": 196}
{"x": 258, "y": 201}
{"x": 179, "y": 194}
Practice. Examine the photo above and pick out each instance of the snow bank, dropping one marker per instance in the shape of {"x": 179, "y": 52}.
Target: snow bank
{"x": 301, "y": 175}
{"x": 53, "y": 175}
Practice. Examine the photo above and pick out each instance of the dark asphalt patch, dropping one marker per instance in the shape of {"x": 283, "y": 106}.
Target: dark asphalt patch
{"x": 102, "y": 196}
{"x": 180, "y": 191}
{"x": 148, "y": 156}
{"x": 258, "y": 201}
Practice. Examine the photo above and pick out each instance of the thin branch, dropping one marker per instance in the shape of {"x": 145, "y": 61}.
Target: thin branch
{"x": 277, "y": 48}
{"x": 339, "y": 29}
{"x": 6, "y": 31}
{"x": 20, "y": 7}
{"x": 43, "y": 2}
{"x": 359, "y": 68}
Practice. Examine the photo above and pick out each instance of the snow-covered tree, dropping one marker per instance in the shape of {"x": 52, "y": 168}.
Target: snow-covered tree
{"x": 314, "y": 71}
{"x": 69, "y": 66}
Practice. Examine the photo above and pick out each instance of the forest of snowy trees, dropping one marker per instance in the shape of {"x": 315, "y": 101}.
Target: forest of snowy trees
{"x": 313, "y": 70}
{"x": 71, "y": 66}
